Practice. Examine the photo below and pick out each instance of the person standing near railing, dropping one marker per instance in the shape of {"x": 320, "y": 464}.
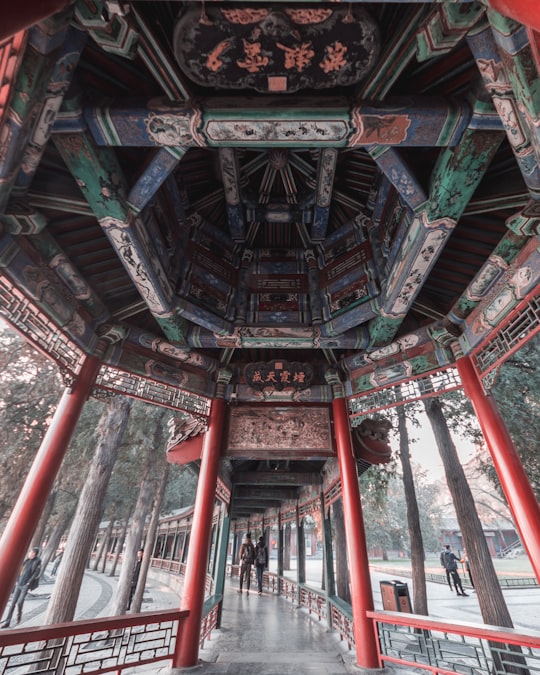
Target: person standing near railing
{"x": 28, "y": 580}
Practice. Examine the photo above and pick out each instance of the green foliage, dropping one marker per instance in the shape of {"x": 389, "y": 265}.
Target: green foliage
{"x": 386, "y": 519}
{"x": 181, "y": 488}
{"x": 31, "y": 388}
{"x": 517, "y": 392}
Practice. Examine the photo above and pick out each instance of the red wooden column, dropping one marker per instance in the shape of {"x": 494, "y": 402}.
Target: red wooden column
{"x": 17, "y": 536}
{"x": 514, "y": 481}
{"x": 23, "y": 15}
{"x": 187, "y": 644}
{"x": 361, "y": 592}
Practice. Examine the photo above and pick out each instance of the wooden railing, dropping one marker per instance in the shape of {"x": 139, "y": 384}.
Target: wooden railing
{"x": 107, "y": 645}
{"x": 100, "y": 645}
{"x": 441, "y": 647}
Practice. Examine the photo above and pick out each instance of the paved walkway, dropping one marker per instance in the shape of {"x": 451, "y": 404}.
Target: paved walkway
{"x": 267, "y": 635}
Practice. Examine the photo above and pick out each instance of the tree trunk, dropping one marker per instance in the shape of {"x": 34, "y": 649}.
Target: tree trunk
{"x": 103, "y": 545}
{"x": 56, "y": 535}
{"x": 343, "y": 588}
{"x": 65, "y": 594}
{"x": 106, "y": 545}
{"x": 287, "y": 547}
{"x": 490, "y": 597}
{"x": 160, "y": 486}
{"x": 120, "y": 545}
{"x": 39, "y": 534}
{"x": 135, "y": 534}
{"x": 420, "y": 605}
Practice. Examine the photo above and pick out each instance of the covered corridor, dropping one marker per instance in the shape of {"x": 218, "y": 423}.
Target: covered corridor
{"x": 277, "y": 223}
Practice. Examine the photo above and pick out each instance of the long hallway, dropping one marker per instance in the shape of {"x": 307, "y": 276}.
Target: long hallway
{"x": 268, "y": 635}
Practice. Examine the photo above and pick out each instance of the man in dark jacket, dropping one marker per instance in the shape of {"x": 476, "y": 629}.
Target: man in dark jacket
{"x": 452, "y": 567}
{"x": 27, "y": 581}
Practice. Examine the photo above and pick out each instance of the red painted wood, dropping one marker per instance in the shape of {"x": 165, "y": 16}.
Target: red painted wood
{"x": 361, "y": 594}
{"x": 526, "y": 12}
{"x": 17, "y": 536}
{"x": 18, "y": 16}
{"x": 187, "y": 648}
{"x": 514, "y": 481}
{"x": 188, "y": 451}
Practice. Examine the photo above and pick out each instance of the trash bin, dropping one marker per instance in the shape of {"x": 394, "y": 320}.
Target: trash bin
{"x": 395, "y": 596}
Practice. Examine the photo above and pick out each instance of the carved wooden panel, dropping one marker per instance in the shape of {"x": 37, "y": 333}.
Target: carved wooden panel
{"x": 279, "y": 433}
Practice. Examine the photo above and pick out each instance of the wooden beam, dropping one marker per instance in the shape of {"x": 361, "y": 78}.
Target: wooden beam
{"x": 276, "y": 478}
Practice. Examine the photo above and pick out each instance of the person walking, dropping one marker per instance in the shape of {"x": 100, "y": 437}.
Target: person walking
{"x": 28, "y": 580}
{"x": 135, "y": 576}
{"x": 452, "y": 566}
{"x": 247, "y": 558}
{"x": 261, "y": 562}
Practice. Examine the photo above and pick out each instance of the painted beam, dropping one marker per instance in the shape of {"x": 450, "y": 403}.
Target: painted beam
{"x": 326, "y": 170}
{"x": 516, "y": 101}
{"x": 33, "y": 105}
{"x": 284, "y": 494}
{"x": 394, "y": 166}
{"x": 446, "y": 27}
{"x": 514, "y": 43}
{"x": 520, "y": 279}
{"x": 46, "y": 290}
{"x": 104, "y": 186}
{"x": 271, "y": 122}
{"x": 276, "y": 478}
{"x": 396, "y": 56}
{"x": 455, "y": 178}
{"x": 488, "y": 276}
{"x": 158, "y": 62}
{"x": 231, "y": 184}
{"x": 154, "y": 175}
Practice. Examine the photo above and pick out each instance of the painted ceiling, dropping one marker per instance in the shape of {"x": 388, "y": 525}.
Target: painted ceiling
{"x": 304, "y": 187}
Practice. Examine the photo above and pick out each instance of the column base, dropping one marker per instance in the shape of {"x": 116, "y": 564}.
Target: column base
{"x": 169, "y": 670}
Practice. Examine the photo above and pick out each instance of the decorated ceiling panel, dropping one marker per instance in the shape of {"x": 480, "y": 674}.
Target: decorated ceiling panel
{"x": 247, "y": 181}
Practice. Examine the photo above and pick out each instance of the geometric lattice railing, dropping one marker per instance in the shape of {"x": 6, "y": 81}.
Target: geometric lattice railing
{"x": 97, "y": 646}
{"x": 432, "y": 384}
{"x": 440, "y": 647}
{"x": 149, "y": 390}
{"x": 521, "y": 327}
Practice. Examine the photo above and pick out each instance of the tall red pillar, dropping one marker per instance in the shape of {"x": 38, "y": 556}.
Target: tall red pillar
{"x": 360, "y": 580}
{"x": 187, "y": 644}
{"x": 514, "y": 481}
{"x": 17, "y": 536}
